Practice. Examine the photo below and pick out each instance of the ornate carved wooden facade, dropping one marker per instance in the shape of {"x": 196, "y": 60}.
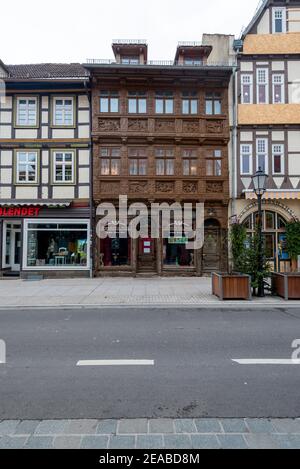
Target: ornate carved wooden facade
{"x": 193, "y": 139}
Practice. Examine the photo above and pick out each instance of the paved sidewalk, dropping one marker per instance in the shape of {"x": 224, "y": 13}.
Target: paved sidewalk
{"x": 151, "y": 434}
{"x": 119, "y": 291}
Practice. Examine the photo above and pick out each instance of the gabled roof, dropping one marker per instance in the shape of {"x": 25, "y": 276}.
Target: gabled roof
{"x": 258, "y": 14}
{"x": 3, "y": 66}
{"x": 47, "y": 71}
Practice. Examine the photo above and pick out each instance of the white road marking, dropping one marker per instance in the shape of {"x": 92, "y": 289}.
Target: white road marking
{"x": 266, "y": 361}
{"x": 115, "y": 363}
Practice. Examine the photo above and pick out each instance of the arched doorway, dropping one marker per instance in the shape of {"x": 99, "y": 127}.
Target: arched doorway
{"x": 274, "y": 229}
{"x": 212, "y": 248}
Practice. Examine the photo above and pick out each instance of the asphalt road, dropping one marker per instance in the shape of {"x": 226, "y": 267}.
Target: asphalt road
{"x": 193, "y": 374}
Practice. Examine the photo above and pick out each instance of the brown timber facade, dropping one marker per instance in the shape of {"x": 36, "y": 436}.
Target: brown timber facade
{"x": 160, "y": 133}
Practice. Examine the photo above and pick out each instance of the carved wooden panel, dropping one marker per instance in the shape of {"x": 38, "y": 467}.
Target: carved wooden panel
{"x": 190, "y": 126}
{"x": 109, "y": 125}
{"x": 164, "y": 125}
{"x": 214, "y": 127}
{"x": 110, "y": 187}
{"x": 213, "y": 186}
{"x": 165, "y": 186}
{"x": 138, "y": 187}
{"x": 190, "y": 187}
{"x": 138, "y": 125}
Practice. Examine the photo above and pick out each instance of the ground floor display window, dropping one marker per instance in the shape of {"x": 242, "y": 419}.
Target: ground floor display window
{"x": 56, "y": 244}
{"x": 176, "y": 254}
{"x": 115, "y": 252}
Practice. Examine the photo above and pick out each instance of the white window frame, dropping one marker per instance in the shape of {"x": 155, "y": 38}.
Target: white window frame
{"x": 274, "y": 83}
{"x": 260, "y": 153}
{"x": 27, "y": 111}
{"x": 265, "y": 83}
{"x": 248, "y": 75}
{"x": 250, "y": 153}
{"x": 64, "y": 111}
{"x": 284, "y": 18}
{"x": 63, "y": 164}
{"x": 281, "y": 152}
{"x": 60, "y": 221}
{"x": 26, "y": 163}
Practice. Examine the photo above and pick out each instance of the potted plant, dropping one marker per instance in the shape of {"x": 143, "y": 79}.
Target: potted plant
{"x": 287, "y": 284}
{"x": 235, "y": 285}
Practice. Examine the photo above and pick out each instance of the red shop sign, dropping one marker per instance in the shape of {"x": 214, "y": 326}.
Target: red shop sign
{"x": 11, "y": 212}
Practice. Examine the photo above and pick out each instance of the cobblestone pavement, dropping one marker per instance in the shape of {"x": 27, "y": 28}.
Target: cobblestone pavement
{"x": 151, "y": 434}
{"x": 118, "y": 292}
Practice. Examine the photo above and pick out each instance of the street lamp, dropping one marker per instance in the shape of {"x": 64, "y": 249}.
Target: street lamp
{"x": 260, "y": 187}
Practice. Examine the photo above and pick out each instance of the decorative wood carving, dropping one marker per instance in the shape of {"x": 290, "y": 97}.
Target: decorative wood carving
{"x": 214, "y": 127}
{"x": 190, "y": 126}
{"x": 214, "y": 187}
{"x": 138, "y": 187}
{"x": 165, "y": 125}
{"x": 190, "y": 187}
{"x": 138, "y": 125}
{"x": 110, "y": 187}
{"x": 165, "y": 186}
{"x": 109, "y": 125}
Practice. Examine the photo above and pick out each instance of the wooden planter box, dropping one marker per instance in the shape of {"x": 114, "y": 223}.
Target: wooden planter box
{"x": 231, "y": 287}
{"x": 286, "y": 285}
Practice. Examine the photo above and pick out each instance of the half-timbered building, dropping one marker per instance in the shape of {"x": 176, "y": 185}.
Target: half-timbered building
{"x": 45, "y": 170}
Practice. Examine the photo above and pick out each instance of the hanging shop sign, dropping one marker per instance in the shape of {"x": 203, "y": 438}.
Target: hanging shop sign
{"x": 23, "y": 212}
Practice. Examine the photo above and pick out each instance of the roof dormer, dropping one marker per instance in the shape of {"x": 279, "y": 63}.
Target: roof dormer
{"x": 192, "y": 53}
{"x": 130, "y": 51}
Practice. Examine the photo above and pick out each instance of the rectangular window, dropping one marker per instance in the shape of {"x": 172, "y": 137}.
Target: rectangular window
{"x": 214, "y": 163}
{"x": 63, "y": 114}
{"x": 164, "y": 102}
{"x": 262, "y": 155}
{"x": 247, "y": 89}
{"x": 278, "y": 159}
{"x": 63, "y": 167}
{"x": 164, "y": 161}
{"x": 27, "y": 112}
{"x": 109, "y": 102}
{"x": 278, "y": 89}
{"x": 193, "y": 62}
{"x": 130, "y": 60}
{"x": 189, "y": 162}
{"x": 26, "y": 167}
{"x": 137, "y": 161}
{"x": 262, "y": 86}
{"x": 56, "y": 245}
{"x": 137, "y": 102}
{"x": 246, "y": 159}
{"x": 189, "y": 102}
{"x": 110, "y": 161}
{"x": 279, "y": 20}
{"x": 213, "y": 103}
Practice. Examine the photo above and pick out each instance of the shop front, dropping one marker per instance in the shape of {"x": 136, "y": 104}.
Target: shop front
{"x": 47, "y": 240}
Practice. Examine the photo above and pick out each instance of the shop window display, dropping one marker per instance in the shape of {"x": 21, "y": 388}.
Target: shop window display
{"x": 57, "y": 245}
{"x": 115, "y": 252}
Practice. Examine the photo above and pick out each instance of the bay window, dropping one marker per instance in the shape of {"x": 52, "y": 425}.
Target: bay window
{"x": 213, "y": 103}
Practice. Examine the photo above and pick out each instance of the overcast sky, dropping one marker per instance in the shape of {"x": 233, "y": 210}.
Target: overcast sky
{"x": 33, "y": 31}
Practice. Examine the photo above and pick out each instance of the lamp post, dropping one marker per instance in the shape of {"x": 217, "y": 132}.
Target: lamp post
{"x": 260, "y": 187}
